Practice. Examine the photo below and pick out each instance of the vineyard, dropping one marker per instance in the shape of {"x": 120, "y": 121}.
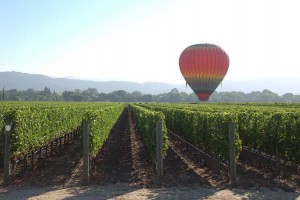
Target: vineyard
{"x": 270, "y": 128}
{"x": 267, "y": 133}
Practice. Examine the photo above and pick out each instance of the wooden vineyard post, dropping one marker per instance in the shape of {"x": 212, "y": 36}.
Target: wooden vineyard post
{"x": 7, "y": 153}
{"x": 232, "y": 155}
{"x": 159, "y": 146}
{"x": 86, "y": 168}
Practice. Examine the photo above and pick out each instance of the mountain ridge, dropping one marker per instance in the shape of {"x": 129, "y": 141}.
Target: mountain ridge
{"x": 24, "y": 81}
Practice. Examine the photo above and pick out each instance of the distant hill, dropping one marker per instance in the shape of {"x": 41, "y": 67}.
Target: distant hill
{"x": 279, "y": 86}
{"x": 24, "y": 81}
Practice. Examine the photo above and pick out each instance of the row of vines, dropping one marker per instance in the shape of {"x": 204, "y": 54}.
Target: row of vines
{"x": 101, "y": 123}
{"x": 270, "y": 128}
{"x": 146, "y": 123}
{"x": 36, "y": 124}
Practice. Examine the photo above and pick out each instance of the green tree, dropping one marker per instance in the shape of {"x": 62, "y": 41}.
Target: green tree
{"x": 90, "y": 94}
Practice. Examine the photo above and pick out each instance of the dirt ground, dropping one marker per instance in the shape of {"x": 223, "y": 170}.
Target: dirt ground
{"x": 124, "y": 191}
{"x": 125, "y": 171}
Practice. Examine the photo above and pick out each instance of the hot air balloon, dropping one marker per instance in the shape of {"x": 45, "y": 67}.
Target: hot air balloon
{"x": 203, "y": 66}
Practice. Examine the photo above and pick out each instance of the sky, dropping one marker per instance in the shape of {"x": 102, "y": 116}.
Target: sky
{"x": 141, "y": 40}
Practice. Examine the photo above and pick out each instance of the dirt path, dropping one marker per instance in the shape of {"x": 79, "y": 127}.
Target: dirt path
{"x": 124, "y": 159}
{"x": 124, "y": 191}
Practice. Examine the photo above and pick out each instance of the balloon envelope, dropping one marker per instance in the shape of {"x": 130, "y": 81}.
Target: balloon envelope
{"x": 203, "y": 66}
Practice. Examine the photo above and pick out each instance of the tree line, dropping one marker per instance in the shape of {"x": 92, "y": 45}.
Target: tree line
{"x": 93, "y": 95}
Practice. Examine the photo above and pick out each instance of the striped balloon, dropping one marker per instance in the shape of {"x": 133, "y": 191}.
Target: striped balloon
{"x": 203, "y": 66}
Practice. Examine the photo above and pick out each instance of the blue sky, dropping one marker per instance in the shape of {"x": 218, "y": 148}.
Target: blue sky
{"x": 141, "y": 41}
